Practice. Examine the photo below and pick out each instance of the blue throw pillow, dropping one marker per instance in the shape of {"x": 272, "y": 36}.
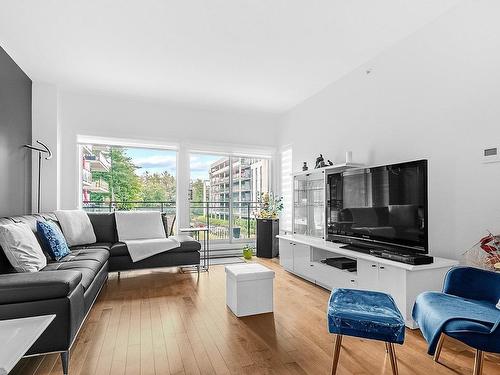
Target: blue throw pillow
{"x": 52, "y": 239}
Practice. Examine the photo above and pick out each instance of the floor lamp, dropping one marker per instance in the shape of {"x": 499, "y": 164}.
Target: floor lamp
{"x": 44, "y": 150}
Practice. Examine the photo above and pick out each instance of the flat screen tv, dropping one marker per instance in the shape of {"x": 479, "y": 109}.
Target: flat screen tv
{"x": 383, "y": 206}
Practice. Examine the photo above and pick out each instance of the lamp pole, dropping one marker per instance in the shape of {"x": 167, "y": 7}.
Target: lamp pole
{"x": 41, "y": 150}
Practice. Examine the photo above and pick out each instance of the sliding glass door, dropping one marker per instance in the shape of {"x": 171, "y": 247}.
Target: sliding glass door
{"x": 224, "y": 191}
{"x": 209, "y": 194}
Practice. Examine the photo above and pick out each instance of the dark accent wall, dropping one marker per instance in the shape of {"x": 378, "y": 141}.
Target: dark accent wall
{"x": 15, "y": 131}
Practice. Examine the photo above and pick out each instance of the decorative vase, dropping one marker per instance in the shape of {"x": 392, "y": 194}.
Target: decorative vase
{"x": 247, "y": 253}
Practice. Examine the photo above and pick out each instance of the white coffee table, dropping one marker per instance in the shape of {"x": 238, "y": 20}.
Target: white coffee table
{"x": 249, "y": 289}
{"x": 17, "y": 336}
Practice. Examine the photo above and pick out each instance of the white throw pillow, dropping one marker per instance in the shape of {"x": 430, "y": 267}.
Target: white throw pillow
{"x": 76, "y": 227}
{"x": 22, "y": 248}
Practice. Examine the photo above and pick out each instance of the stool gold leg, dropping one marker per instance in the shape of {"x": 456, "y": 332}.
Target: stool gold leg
{"x": 478, "y": 362}
{"x": 336, "y": 353}
{"x": 392, "y": 357}
{"x": 439, "y": 346}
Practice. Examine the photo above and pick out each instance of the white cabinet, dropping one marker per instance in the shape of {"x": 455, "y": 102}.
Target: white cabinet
{"x": 286, "y": 255}
{"x": 368, "y": 275}
{"x": 302, "y": 261}
{"x": 403, "y": 282}
{"x": 383, "y": 278}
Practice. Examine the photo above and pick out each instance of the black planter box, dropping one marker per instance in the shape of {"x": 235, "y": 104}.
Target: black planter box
{"x": 267, "y": 243}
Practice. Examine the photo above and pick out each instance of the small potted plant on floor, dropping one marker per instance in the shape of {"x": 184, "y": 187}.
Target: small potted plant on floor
{"x": 269, "y": 209}
{"x": 248, "y": 252}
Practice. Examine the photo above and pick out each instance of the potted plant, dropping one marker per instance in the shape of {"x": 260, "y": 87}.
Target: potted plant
{"x": 269, "y": 208}
{"x": 248, "y": 252}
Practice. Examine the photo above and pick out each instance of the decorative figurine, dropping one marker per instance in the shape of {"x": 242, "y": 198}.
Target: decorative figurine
{"x": 320, "y": 162}
{"x": 305, "y": 167}
{"x": 330, "y": 162}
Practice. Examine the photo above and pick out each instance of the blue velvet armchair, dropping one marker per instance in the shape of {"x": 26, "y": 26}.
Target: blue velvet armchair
{"x": 464, "y": 310}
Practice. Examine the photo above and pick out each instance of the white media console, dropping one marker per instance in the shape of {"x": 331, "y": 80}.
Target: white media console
{"x": 302, "y": 256}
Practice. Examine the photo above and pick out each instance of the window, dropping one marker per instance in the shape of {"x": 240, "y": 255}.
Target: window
{"x": 224, "y": 191}
{"x": 120, "y": 178}
{"x": 286, "y": 189}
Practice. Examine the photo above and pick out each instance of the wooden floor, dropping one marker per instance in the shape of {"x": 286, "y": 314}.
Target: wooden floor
{"x": 163, "y": 322}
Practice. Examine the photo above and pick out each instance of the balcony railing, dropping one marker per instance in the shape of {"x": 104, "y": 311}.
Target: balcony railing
{"x": 227, "y": 221}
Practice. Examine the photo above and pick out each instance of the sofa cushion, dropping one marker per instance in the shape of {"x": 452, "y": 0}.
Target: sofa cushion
{"x": 88, "y": 261}
{"x": 104, "y": 225}
{"x": 187, "y": 244}
{"x": 52, "y": 239}
{"x": 97, "y": 245}
{"x": 29, "y": 287}
{"x": 120, "y": 248}
{"x": 21, "y": 247}
{"x": 76, "y": 227}
{"x": 99, "y": 255}
{"x": 30, "y": 220}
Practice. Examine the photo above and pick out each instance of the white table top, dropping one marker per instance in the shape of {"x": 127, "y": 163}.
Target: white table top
{"x": 197, "y": 229}
{"x": 17, "y": 337}
{"x": 249, "y": 271}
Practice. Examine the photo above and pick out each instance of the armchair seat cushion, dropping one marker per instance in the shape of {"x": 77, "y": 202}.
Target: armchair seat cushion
{"x": 438, "y": 312}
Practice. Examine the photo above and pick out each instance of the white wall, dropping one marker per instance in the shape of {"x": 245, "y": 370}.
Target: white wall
{"x": 434, "y": 95}
{"x": 154, "y": 121}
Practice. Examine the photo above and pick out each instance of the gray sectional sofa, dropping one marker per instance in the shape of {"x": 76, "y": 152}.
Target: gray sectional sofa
{"x": 68, "y": 288}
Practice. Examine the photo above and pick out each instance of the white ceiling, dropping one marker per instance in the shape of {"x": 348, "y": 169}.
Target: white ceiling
{"x": 255, "y": 54}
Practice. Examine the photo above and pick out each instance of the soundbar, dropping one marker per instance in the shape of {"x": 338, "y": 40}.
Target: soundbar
{"x": 402, "y": 257}
{"x": 413, "y": 259}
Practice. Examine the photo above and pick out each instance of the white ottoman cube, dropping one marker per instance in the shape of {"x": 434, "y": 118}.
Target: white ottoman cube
{"x": 249, "y": 289}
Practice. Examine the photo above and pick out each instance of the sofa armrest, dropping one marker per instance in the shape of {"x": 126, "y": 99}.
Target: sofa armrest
{"x": 36, "y": 286}
{"x": 473, "y": 283}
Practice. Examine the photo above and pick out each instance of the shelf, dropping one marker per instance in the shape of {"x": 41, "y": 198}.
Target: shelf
{"x": 308, "y": 205}
{"x": 335, "y": 269}
{"x": 328, "y": 168}
{"x": 310, "y": 189}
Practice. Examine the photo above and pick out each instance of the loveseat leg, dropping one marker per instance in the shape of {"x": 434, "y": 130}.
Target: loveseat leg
{"x": 65, "y": 362}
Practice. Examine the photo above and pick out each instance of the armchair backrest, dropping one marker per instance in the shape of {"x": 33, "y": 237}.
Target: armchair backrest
{"x": 473, "y": 283}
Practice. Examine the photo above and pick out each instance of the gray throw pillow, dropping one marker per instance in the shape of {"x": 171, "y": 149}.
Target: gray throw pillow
{"x": 22, "y": 248}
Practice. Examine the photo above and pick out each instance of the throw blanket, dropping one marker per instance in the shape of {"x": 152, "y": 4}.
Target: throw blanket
{"x": 143, "y": 233}
{"x": 433, "y": 310}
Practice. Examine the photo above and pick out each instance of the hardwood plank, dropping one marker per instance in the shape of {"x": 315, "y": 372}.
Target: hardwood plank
{"x": 163, "y": 322}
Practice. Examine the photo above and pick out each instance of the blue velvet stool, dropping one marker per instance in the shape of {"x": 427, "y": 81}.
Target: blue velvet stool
{"x": 366, "y": 314}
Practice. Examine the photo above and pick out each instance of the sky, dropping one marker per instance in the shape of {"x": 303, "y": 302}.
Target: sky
{"x": 157, "y": 161}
